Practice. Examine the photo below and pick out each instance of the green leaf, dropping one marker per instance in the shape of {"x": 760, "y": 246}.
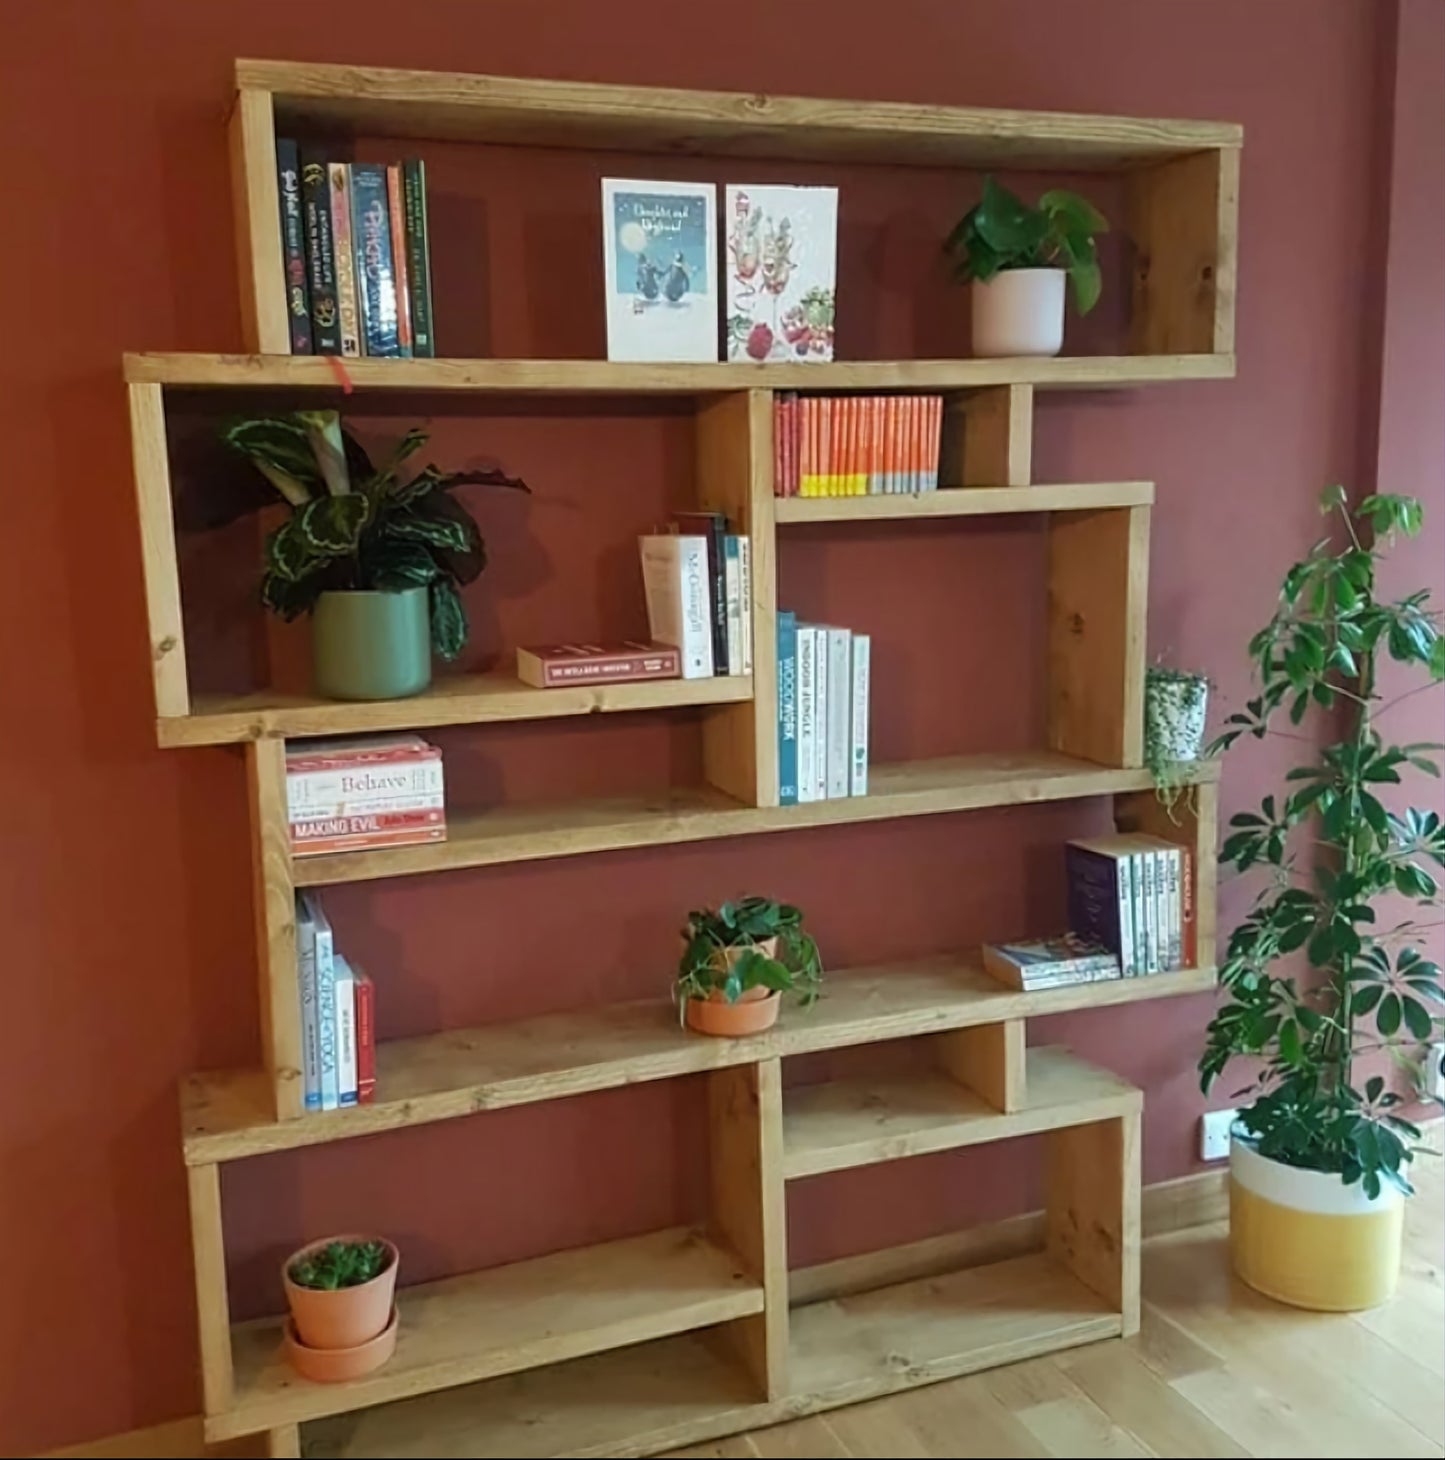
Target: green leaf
{"x": 332, "y": 525}
{"x": 1387, "y": 1019}
{"x": 278, "y": 447}
{"x": 1417, "y": 1018}
{"x": 448, "y": 619}
{"x": 438, "y": 532}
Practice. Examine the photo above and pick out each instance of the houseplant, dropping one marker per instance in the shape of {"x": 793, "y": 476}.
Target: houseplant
{"x": 1017, "y": 258}
{"x": 1176, "y": 702}
{"x": 340, "y": 1292}
{"x": 1321, "y": 1150}
{"x": 378, "y": 559}
{"x": 738, "y": 961}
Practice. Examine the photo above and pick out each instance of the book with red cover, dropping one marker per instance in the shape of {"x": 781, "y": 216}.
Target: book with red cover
{"x": 396, "y": 206}
{"x": 1188, "y": 912}
{"x": 368, "y": 830}
{"x": 547, "y": 666}
{"x": 365, "y": 1039}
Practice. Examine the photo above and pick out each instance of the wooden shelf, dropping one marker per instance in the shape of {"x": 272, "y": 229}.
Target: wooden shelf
{"x": 460, "y": 699}
{"x": 612, "y": 377}
{"x": 503, "y": 1320}
{"x": 226, "y": 1116}
{"x": 964, "y": 502}
{"x": 845, "y": 1123}
{"x": 914, "y": 788}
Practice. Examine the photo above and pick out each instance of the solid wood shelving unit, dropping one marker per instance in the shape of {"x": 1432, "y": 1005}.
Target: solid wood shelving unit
{"x": 677, "y": 1336}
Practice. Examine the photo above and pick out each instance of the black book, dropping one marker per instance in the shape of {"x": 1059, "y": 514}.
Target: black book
{"x": 293, "y": 245}
{"x": 418, "y": 256}
{"x": 375, "y": 268}
{"x": 320, "y": 256}
{"x": 714, "y": 527}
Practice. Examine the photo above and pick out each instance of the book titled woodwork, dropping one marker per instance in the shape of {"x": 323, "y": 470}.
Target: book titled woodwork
{"x": 362, "y": 792}
{"x": 549, "y": 666}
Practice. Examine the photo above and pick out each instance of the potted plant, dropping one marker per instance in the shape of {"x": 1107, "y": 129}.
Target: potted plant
{"x": 1175, "y": 704}
{"x": 1320, "y": 1153}
{"x": 377, "y": 559}
{"x": 1017, "y": 258}
{"x": 738, "y": 961}
{"x": 340, "y": 1294}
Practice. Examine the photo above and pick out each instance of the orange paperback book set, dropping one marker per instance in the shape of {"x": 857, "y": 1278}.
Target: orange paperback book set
{"x": 855, "y": 445}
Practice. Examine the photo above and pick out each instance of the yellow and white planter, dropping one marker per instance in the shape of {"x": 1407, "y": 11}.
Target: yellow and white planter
{"x": 1305, "y": 1238}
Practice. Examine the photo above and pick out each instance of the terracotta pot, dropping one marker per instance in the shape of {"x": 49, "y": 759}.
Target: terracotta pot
{"x": 342, "y": 1318}
{"x": 755, "y": 1010}
{"x": 336, "y": 1365}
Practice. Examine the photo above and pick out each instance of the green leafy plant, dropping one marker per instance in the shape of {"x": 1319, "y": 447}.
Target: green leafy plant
{"x": 355, "y": 525}
{"x": 1334, "y": 852}
{"x": 340, "y": 1265}
{"x": 749, "y": 923}
{"x": 1001, "y": 232}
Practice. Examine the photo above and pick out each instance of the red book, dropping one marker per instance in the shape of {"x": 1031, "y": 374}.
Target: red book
{"x": 780, "y": 474}
{"x": 371, "y": 829}
{"x": 549, "y": 666}
{"x": 807, "y": 449}
{"x": 365, "y": 1039}
{"x": 790, "y": 447}
{"x": 396, "y": 206}
{"x": 1188, "y": 911}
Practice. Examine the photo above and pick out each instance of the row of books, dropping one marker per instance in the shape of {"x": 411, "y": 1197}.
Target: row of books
{"x": 823, "y": 686}
{"x": 357, "y": 255}
{"x": 362, "y": 792}
{"x": 338, "y": 1016}
{"x": 855, "y": 445}
{"x": 698, "y": 581}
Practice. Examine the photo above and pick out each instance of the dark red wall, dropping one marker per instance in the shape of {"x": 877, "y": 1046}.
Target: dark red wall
{"x": 124, "y": 870}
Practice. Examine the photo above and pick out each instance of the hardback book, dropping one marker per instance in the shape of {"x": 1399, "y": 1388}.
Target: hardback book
{"x": 679, "y": 598}
{"x": 320, "y": 256}
{"x": 659, "y": 244}
{"x": 368, "y": 831}
{"x": 326, "y": 1006}
{"x": 365, "y": 1038}
{"x": 293, "y": 245}
{"x": 787, "y": 708}
{"x": 1101, "y": 877}
{"x": 713, "y": 526}
{"x": 840, "y": 712}
{"x": 549, "y": 666}
{"x": 1050, "y": 962}
{"x": 858, "y": 719}
{"x": 733, "y": 566}
{"x": 396, "y": 216}
{"x": 782, "y": 253}
{"x": 346, "y": 1078}
{"x": 808, "y": 738}
{"x": 375, "y": 267}
{"x": 348, "y": 308}
{"x": 310, "y": 1024}
{"x": 745, "y": 595}
{"x": 418, "y": 256}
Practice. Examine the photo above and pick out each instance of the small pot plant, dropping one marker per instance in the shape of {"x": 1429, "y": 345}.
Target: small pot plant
{"x": 1176, "y": 702}
{"x": 1017, "y": 257}
{"x": 340, "y": 1292}
{"x": 1322, "y": 1146}
{"x": 376, "y": 556}
{"x": 737, "y": 963}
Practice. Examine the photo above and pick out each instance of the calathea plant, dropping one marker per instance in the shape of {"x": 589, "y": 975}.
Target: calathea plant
{"x": 1335, "y": 853}
{"x": 356, "y": 525}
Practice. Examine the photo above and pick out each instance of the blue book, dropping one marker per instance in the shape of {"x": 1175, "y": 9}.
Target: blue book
{"x": 310, "y": 1027}
{"x": 326, "y": 1009}
{"x": 787, "y": 709}
{"x": 375, "y": 267}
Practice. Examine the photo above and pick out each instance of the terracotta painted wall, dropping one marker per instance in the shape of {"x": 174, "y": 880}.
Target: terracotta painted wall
{"x": 123, "y": 870}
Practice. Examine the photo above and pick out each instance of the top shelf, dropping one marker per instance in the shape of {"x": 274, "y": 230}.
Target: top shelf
{"x": 372, "y": 101}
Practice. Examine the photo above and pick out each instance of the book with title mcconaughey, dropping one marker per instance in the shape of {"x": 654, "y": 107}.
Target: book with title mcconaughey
{"x": 659, "y": 242}
{"x": 678, "y": 590}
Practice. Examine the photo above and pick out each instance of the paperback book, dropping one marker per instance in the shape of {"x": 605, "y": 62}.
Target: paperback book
{"x": 855, "y": 446}
{"x": 679, "y": 598}
{"x": 1050, "y": 962}
{"x": 824, "y": 677}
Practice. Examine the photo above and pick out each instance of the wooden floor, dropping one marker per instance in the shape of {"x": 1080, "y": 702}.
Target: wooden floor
{"x": 1215, "y": 1370}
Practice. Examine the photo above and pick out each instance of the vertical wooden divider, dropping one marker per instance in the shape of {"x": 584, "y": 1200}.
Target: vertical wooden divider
{"x": 275, "y": 903}
{"x": 1098, "y": 598}
{"x": 256, "y": 206}
{"x": 735, "y": 476}
{"x": 284, "y": 1442}
{"x": 989, "y": 1060}
{"x": 988, "y": 438}
{"x": 745, "y": 1107}
{"x": 213, "y": 1310}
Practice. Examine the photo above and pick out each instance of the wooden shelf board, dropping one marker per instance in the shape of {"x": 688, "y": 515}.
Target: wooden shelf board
{"x": 460, "y": 699}
{"x": 503, "y": 1320}
{"x": 964, "y": 502}
{"x": 585, "y": 377}
{"x": 565, "y": 829}
{"x": 227, "y": 1115}
{"x": 858, "y": 1122}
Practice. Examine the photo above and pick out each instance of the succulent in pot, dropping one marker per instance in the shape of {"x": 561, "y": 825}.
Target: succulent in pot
{"x": 340, "y": 1292}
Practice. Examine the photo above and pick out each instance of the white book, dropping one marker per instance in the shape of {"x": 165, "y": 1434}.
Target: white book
{"x": 326, "y": 1006}
{"x": 367, "y": 806}
{"x": 679, "y": 601}
{"x": 310, "y": 1026}
{"x": 346, "y": 1085}
{"x": 1174, "y": 939}
{"x": 840, "y": 705}
{"x": 821, "y": 664}
{"x": 858, "y": 718}
{"x": 745, "y": 594}
{"x": 1151, "y": 911}
{"x": 807, "y": 713}
{"x": 733, "y": 593}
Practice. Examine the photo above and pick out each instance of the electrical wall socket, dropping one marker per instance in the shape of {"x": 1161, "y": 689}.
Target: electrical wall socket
{"x": 1434, "y": 1082}
{"x": 1214, "y": 1134}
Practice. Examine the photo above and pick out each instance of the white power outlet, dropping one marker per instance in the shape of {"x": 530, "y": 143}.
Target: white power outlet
{"x": 1214, "y": 1134}
{"x": 1434, "y": 1081}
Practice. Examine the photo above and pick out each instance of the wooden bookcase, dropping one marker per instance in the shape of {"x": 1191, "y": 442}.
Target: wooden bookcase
{"x": 677, "y": 1336}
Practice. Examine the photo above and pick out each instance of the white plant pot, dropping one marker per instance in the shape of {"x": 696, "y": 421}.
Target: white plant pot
{"x": 1019, "y": 312}
{"x": 1175, "y": 709}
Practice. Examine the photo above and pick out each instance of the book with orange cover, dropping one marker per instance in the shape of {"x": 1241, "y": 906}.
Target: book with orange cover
{"x": 780, "y": 417}
{"x": 859, "y": 467}
{"x": 832, "y": 419}
{"x": 806, "y": 469}
{"x": 936, "y": 440}
{"x": 366, "y": 831}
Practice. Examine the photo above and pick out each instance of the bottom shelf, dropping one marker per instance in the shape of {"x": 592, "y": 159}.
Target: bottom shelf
{"x": 676, "y": 1391}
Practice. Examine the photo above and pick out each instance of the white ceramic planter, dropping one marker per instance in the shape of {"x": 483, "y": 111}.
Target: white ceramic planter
{"x": 1305, "y": 1238}
{"x": 1175, "y": 708}
{"x": 1019, "y": 312}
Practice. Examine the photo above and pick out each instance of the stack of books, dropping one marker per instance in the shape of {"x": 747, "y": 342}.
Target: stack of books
{"x": 338, "y": 1017}
{"x": 357, "y": 255}
{"x": 362, "y": 792}
{"x": 856, "y": 445}
{"x": 698, "y": 579}
{"x": 1135, "y": 895}
{"x": 1050, "y": 963}
{"x": 823, "y": 682}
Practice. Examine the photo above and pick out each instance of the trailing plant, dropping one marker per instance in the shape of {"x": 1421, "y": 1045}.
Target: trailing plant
{"x": 340, "y": 1265}
{"x": 1001, "y": 231}
{"x": 1171, "y": 695}
{"x": 793, "y": 965}
{"x": 355, "y": 525}
{"x": 1334, "y": 852}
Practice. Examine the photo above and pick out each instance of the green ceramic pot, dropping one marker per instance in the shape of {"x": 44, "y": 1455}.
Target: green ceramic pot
{"x": 371, "y": 645}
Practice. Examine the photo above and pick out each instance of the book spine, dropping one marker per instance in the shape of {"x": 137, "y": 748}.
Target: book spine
{"x": 840, "y": 705}
{"x": 1147, "y": 907}
{"x": 718, "y": 592}
{"x": 396, "y": 217}
{"x": 346, "y": 1087}
{"x": 293, "y": 245}
{"x": 375, "y": 270}
{"x": 1128, "y": 949}
{"x": 353, "y": 833}
{"x": 745, "y": 597}
{"x": 540, "y": 673}
{"x": 733, "y": 595}
{"x": 891, "y": 406}
{"x": 348, "y": 309}
{"x": 699, "y": 609}
{"x": 821, "y": 657}
{"x": 1161, "y": 910}
{"x": 1188, "y": 910}
{"x": 1169, "y": 860}
{"x": 1067, "y": 978}
{"x": 936, "y": 441}
{"x": 793, "y": 445}
{"x": 418, "y": 257}
{"x": 679, "y": 611}
{"x": 787, "y": 709}
{"x": 1094, "y": 897}
{"x": 365, "y": 1040}
{"x": 320, "y": 256}
{"x": 780, "y": 473}
{"x": 858, "y": 722}
{"x": 310, "y": 1025}
{"x": 326, "y": 1009}
{"x": 807, "y": 713}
